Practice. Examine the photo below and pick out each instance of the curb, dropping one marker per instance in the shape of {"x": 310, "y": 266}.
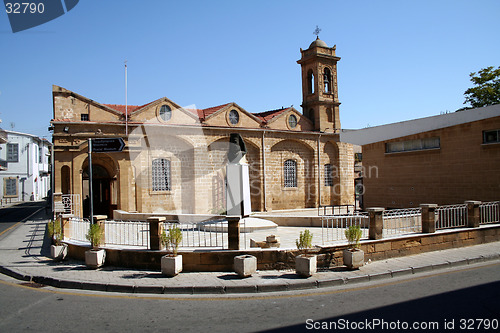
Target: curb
{"x": 243, "y": 289}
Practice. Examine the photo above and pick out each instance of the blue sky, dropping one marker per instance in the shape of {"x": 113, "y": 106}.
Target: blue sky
{"x": 400, "y": 59}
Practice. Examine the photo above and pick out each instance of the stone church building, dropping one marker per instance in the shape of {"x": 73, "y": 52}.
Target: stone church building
{"x": 174, "y": 157}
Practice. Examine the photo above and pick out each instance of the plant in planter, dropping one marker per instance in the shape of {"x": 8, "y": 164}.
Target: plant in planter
{"x": 58, "y": 250}
{"x": 171, "y": 264}
{"x": 305, "y": 264}
{"x": 95, "y": 257}
{"x": 353, "y": 256}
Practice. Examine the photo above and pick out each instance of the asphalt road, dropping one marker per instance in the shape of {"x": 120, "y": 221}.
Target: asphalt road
{"x": 459, "y": 297}
{"x": 10, "y": 216}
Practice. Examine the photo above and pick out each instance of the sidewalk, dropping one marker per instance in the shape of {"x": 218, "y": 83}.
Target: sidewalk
{"x": 24, "y": 255}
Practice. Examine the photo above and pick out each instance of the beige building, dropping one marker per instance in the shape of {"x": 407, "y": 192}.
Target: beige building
{"x": 174, "y": 157}
{"x": 445, "y": 159}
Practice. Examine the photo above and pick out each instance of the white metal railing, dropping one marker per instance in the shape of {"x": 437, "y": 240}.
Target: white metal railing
{"x": 128, "y": 233}
{"x": 402, "y": 221}
{"x": 489, "y": 212}
{"x": 78, "y": 229}
{"x": 451, "y": 216}
{"x": 70, "y": 204}
{"x": 333, "y": 227}
{"x": 336, "y": 210}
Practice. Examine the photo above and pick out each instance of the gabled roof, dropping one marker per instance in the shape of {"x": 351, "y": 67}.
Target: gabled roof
{"x": 396, "y": 130}
{"x": 130, "y": 108}
{"x": 267, "y": 116}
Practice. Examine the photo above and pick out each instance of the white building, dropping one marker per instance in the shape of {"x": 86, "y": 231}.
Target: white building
{"x": 27, "y": 158}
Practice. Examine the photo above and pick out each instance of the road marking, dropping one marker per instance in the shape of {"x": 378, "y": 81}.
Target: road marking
{"x": 250, "y": 296}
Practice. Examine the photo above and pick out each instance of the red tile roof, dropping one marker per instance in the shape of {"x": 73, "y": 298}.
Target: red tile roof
{"x": 207, "y": 112}
{"x": 121, "y": 108}
{"x": 268, "y": 115}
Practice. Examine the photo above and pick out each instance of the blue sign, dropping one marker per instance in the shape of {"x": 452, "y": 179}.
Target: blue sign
{"x": 26, "y": 14}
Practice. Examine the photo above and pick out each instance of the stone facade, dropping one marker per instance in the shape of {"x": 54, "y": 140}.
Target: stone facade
{"x": 193, "y": 144}
{"x": 462, "y": 168}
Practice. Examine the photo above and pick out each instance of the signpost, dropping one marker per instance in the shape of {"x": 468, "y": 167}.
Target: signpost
{"x": 101, "y": 145}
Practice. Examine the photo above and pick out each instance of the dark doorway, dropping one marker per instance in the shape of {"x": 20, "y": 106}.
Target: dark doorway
{"x": 101, "y": 190}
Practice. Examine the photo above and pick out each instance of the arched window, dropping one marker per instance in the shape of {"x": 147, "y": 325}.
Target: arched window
{"x": 328, "y": 175}
{"x": 310, "y": 82}
{"x": 165, "y": 112}
{"x": 161, "y": 175}
{"x": 290, "y": 173}
{"x": 327, "y": 80}
{"x": 292, "y": 121}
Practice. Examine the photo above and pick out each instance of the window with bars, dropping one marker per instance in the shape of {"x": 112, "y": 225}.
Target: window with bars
{"x": 12, "y": 152}
{"x": 328, "y": 175}
{"x": 10, "y": 187}
{"x": 161, "y": 175}
{"x": 491, "y": 136}
{"x": 290, "y": 173}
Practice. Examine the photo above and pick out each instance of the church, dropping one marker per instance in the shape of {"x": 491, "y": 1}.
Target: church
{"x": 175, "y": 157}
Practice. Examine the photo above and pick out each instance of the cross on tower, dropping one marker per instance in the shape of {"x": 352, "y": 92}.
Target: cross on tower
{"x": 317, "y": 31}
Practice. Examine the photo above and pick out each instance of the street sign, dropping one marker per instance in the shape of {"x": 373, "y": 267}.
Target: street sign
{"x": 107, "y": 145}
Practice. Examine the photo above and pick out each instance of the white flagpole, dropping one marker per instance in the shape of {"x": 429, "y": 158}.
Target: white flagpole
{"x": 126, "y": 104}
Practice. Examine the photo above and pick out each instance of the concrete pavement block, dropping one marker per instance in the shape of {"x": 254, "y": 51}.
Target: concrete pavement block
{"x": 380, "y": 276}
{"x": 241, "y": 289}
{"x": 330, "y": 282}
{"x": 401, "y": 272}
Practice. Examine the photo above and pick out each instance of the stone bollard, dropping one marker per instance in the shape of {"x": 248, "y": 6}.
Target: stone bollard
{"x": 428, "y": 218}
{"x": 99, "y": 219}
{"x": 65, "y": 225}
{"x": 376, "y": 222}
{"x": 473, "y": 215}
{"x": 155, "y": 230}
{"x": 245, "y": 265}
{"x": 233, "y": 231}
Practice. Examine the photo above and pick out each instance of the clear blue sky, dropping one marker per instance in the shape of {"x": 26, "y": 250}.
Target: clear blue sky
{"x": 400, "y": 59}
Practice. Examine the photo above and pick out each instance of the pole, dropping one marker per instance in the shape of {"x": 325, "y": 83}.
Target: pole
{"x": 126, "y": 102}
{"x": 91, "y": 194}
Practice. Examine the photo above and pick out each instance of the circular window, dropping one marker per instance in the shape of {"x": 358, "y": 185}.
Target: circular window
{"x": 292, "y": 121}
{"x": 234, "y": 117}
{"x": 165, "y": 112}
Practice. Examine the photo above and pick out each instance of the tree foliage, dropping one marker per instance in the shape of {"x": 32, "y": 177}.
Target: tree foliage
{"x": 487, "y": 87}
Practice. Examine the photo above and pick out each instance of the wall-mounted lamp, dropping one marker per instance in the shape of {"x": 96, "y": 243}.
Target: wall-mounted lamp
{"x": 66, "y": 129}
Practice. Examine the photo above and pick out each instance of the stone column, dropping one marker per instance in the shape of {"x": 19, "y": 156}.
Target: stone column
{"x": 376, "y": 222}
{"x": 155, "y": 230}
{"x": 233, "y": 232}
{"x": 428, "y": 218}
{"x": 65, "y": 226}
{"x": 473, "y": 215}
{"x": 99, "y": 219}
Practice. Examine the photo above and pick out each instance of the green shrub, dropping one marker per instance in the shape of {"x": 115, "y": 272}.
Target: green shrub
{"x": 305, "y": 240}
{"x": 55, "y": 231}
{"x": 172, "y": 239}
{"x": 94, "y": 235}
{"x": 353, "y": 235}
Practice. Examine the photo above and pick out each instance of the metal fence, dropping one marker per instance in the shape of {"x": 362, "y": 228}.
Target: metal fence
{"x": 336, "y": 210}
{"x": 402, "y": 221}
{"x": 78, "y": 229}
{"x": 128, "y": 233}
{"x": 489, "y": 212}
{"x": 451, "y": 216}
{"x": 333, "y": 227}
{"x": 69, "y": 204}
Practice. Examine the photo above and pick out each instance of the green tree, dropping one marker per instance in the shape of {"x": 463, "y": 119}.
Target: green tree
{"x": 487, "y": 88}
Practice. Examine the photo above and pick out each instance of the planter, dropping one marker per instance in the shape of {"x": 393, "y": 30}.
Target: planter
{"x": 245, "y": 265}
{"x": 305, "y": 265}
{"x": 171, "y": 266}
{"x": 58, "y": 252}
{"x": 95, "y": 258}
{"x": 354, "y": 259}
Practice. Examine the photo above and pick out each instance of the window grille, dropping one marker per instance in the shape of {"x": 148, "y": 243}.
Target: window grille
{"x": 161, "y": 175}
{"x": 12, "y": 152}
{"x": 290, "y": 171}
{"x": 328, "y": 175}
{"x": 10, "y": 187}
{"x": 84, "y": 117}
{"x": 413, "y": 145}
{"x": 491, "y": 136}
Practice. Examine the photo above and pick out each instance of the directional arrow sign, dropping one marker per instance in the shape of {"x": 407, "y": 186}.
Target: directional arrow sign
{"x": 108, "y": 145}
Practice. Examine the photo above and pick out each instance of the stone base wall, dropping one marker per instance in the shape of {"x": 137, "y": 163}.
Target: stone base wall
{"x": 222, "y": 261}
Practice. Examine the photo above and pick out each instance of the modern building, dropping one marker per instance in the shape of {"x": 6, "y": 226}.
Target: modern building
{"x": 27, "y": 174}
{"x": 444, "y": 159}
{"x": 174, "y": 158}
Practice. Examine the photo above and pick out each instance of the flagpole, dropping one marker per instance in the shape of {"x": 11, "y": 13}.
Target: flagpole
{"x": 126, "y": 103}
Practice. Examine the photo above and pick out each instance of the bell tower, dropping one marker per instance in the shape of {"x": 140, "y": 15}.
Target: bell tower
{"x": 320, "y": 102}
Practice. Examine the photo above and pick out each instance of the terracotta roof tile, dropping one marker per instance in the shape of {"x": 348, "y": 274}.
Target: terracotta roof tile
{"x": 268, "y": 115}
{"x": 207, "y": 112}
{"x": 130, "y": 108}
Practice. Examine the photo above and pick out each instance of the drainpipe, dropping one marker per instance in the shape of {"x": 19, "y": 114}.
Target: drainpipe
{"x": 264, "y": 171}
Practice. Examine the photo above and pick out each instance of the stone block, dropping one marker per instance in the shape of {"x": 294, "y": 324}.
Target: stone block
{"x": 245, "y": 265}
{"x": 272, "y": 239}
{"x": 306, "y": 265}
{"x": 381, "y": 247}
{"x": 171, "y": 266}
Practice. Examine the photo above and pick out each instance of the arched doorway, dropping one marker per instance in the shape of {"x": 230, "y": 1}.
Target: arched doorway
{"x": 101, "y": 191}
